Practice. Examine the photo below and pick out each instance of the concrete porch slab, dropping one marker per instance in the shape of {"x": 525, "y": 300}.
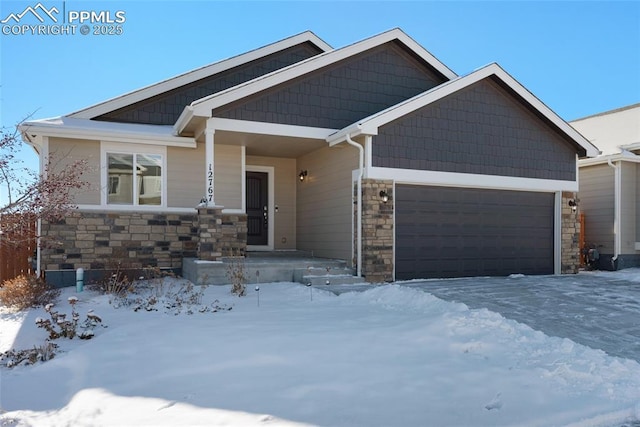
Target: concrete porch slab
{"x": 264, "y": 267}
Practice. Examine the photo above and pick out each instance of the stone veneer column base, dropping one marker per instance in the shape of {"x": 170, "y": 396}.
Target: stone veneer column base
{"x": 377, "y": 231}
{"x": 221, "y": 234}
{"x": 570, "y": 262}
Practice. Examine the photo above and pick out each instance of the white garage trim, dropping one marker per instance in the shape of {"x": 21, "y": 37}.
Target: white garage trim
{"x": 557, "y": 234}
{"x": 469, "y": 180}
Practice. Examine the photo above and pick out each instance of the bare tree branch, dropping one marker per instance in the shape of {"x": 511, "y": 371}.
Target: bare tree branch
{"x": 47, "y": 196}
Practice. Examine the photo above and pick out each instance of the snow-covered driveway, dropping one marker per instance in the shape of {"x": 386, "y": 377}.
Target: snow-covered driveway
{"x": 597, "y": 309}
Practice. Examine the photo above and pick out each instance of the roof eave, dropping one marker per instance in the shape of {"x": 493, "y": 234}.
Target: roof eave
{"x": 604, "y": 159}
{"x": 183, "y": 120}
{"x": 353, "y": 131}
{"x": 34, "y": 130}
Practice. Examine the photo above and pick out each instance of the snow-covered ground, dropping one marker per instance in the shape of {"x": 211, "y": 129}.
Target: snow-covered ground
{"x": 388, "y": 356}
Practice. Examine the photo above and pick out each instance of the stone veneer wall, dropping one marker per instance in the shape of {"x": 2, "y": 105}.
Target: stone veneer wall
{"x": 221, "y": 234}
{"x": 377, "y": 224}
{"x": 94, "y": 241}
{"x": 570, "y": 262}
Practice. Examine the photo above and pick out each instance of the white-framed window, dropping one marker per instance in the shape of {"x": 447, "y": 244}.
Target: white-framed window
{"x": 133, "y": 175}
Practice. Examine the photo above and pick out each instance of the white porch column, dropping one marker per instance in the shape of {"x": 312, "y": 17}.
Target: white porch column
{"x": 209, "y": 133}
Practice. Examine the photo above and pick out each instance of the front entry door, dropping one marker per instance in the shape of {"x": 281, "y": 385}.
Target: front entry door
{"x": 257, "y": 209}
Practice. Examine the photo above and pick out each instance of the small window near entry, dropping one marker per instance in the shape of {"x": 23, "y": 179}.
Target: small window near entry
{"x": 134, "y": 179}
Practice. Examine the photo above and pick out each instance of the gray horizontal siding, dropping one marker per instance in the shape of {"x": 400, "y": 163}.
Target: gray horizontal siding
{"x": 597, "y": 192}
{"x": 338, "y": 95}
{"x": 481, "y": 129}
{"x": 164, "y": 109}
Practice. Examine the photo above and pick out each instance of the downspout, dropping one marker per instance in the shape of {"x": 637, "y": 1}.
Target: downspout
{"x": 617, "y": 246}
{"x": 359, "y": 204}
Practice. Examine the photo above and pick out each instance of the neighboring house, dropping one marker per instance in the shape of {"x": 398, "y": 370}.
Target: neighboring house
{"x": 376, "y": 153}
{"x": 609, "y": 190}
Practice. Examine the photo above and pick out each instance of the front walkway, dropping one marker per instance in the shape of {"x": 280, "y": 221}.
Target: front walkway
{"x": 599, "y": 310}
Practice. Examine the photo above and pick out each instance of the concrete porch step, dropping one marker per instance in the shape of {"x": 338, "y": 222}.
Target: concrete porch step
{"x": 331, "y": 273}
{"x": 331, "y": 279}
{"x": 280, "y": 267}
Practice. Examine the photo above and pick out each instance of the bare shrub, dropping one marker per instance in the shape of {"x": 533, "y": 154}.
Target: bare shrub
{"x": 24, "y": 292}
{"x": 116, "y": 283}
{"x": 237, "y": 274}
{"x": 61, "y": 327}
{"x": 42, "y": 353}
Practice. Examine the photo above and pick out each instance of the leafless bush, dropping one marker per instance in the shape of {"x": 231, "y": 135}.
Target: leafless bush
{"x": 59, "y": 326}
{"x": 237, "y": 274}
{"x": 26, "y": 291}
{"x": 42, "y": 353}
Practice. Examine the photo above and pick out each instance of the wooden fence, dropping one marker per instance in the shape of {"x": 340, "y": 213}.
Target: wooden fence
{"x": 17, "y": 247}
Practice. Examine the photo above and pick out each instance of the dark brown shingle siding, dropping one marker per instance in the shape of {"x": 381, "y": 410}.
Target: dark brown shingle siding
{"x": 482, "y": 129}
{"x": 338, "y": 95}
{"x": 165, "y": 109}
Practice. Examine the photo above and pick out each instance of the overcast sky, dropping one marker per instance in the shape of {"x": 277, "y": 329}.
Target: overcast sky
{"x": 580, "y": 58}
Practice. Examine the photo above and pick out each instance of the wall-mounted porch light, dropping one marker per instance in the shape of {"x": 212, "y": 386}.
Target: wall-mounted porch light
{"x": 384, "y": 196}
{"x": 573, "y": 205}
{"x": 302, "y": 175}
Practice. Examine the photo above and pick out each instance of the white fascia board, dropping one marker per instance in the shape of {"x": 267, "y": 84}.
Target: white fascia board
{"x": 425, "y": 54}
{"x": 263, "y": 128}
{"x": 591, "y": 150}
{"x": 203, "y": 106}
{"x": 470, "y": 180}
{"x": 623, "y": 157}
{"x": 353, "y": 131}
{"x": 183, "y": 120}
{"x": 630, "y": 147}
{"x": 114, "y": 135}
{"x": 197, "y": 74}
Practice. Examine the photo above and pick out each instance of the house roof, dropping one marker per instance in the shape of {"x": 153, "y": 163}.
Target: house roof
{"x": 605, "y": 113}
{"x": 612, "y": 131}
{"x": 113, "y": 131}
{"x": 370, "y": 125}
{"x": 202, "y": 107}
{"x": 197, "y": 74}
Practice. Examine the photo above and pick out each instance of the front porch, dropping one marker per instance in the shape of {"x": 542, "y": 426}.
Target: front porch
{"x": 276, "y": 266}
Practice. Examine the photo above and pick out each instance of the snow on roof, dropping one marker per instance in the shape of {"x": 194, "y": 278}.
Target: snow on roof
{"x": 95, "y": 129}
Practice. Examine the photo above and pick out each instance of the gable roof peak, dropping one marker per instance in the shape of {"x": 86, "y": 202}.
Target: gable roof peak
{"x": 198, "y": 73}
{"x": 202, "y": 107}
{"x": 369, "y": 125}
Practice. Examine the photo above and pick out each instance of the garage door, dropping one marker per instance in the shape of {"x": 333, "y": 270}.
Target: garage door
{"x": 459, "y": 232}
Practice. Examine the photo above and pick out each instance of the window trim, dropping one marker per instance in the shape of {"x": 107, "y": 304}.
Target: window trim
{"x": 107, "y": 147}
